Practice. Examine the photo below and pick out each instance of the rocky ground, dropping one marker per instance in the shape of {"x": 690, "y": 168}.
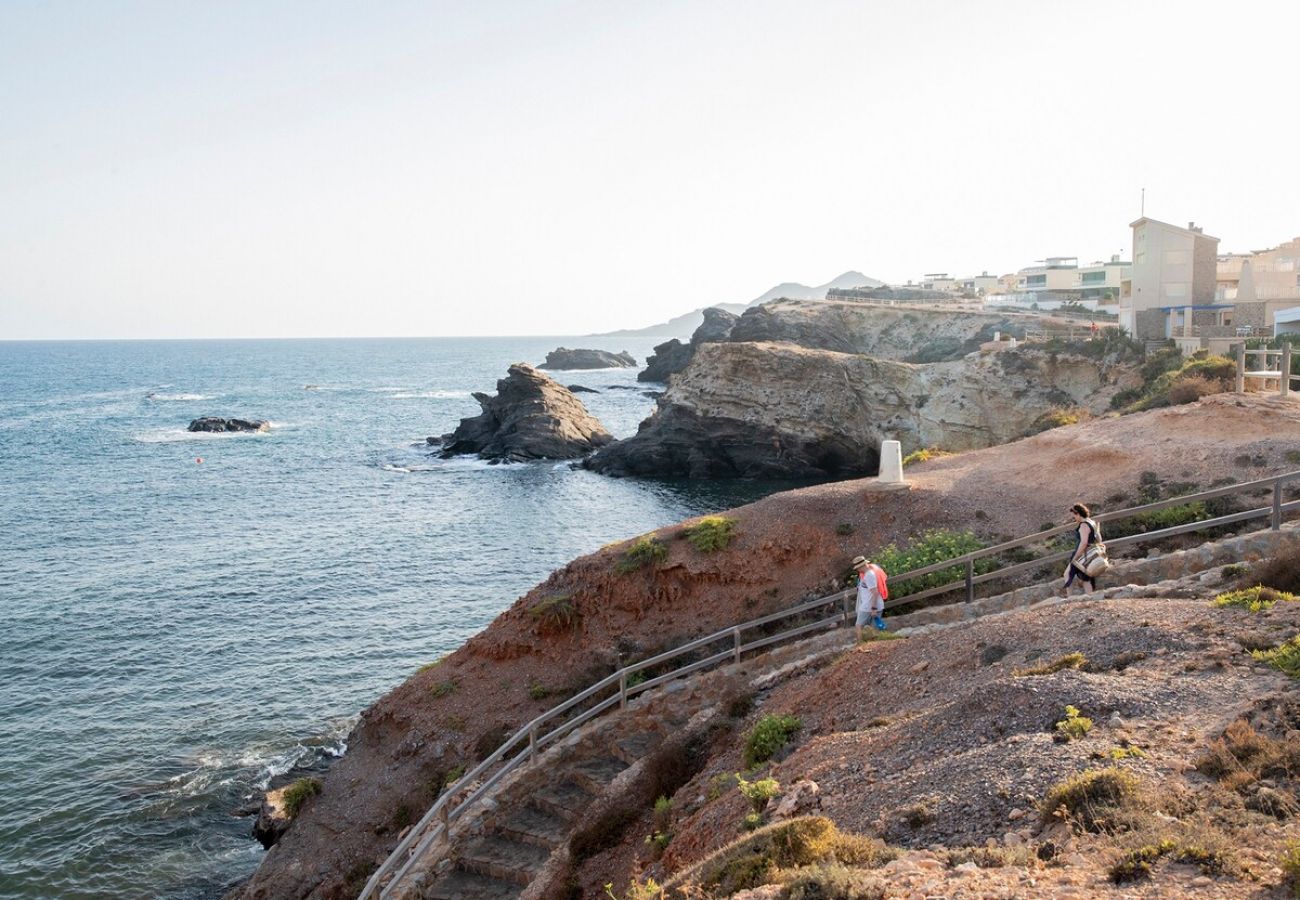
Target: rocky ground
{"x": 586, "y": 617}
{"x": 945, "y": 746}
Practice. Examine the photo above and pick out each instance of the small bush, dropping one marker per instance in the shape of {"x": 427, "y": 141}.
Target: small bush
{"x": 1233, "y": 570}
{"x": 720, "y": 783}
{"x": 918, "y": 815}
{"x": 636, "y": 890}
{"x": 298, "y": 793}
{"x": 740, "y": 705}
{"x": 443, "y": 688}
{"x": 1068, "y": 661}
{"x": 872, "y": 636}
{"x": 833, "y": 882}
{"x": 429, "y": 666}
{"x": 924, "y": 455}
{"x": 767, "y": 737}
{"x": 538, "y": 691}
{"x": 455, "y": 722}
{"x": 991, "y": 857}
{"x": 1091, "y": 799}
{"x": 1285, "y": 658}
{"x": 644, "y": 551}
{"x": 711, "y": 533}
{"x": 1190, "y": 388}
{"x": 1129, "y": 752}
{"x": 1256, "y": 599}
{"x": 1073, "y": 726}
{"x": 844, "y": 529}
{"x": 455, "y": 774}
{"x": 1281, "y": 573}
{"x": 1290, "y": 864}
{"x": 929, "y": 547}
{"x": 555, "y": 614}
{"x": 758, "y": 792}
{"x": 1056, "y": 418}
{"x": 1136, "y": 864}
{"x": 1242, "y": 749}
{"x": 752, "y": 821}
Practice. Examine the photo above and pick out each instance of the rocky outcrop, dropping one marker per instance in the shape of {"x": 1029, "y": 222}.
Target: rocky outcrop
{"x": 778, "y": 411}
{"x": 564, "y": 358}
{"x": 579, "y": 389}
{"x": 273, "y": 819}
{"x": 672, "y": 356}
{"x": 909, "y": 335}
{"x": 531, "y": 417}
{"x": 215, "y": 424}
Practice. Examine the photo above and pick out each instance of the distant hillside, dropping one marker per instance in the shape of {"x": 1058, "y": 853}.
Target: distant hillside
{"x": 682, "y": 326}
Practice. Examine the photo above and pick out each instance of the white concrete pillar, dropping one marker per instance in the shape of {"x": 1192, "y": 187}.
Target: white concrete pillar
{"x": 891, "y": 462}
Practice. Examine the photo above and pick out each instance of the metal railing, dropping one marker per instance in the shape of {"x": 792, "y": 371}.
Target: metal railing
{"x": 527, "y": 743}
{"x": 1266, "y": 355}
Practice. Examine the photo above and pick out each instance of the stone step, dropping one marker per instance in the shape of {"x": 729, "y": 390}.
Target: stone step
{"x": 636, "y": 746}
{"x": 499, "y": 857}
{"x": 458, "y": 885}
{"x": 595, "y": 774}
{"x": 529, "y": 825}
{"x": 565, "y": 799}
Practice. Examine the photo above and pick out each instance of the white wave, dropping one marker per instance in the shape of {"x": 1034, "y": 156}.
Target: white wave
{"x": 430, "y": 395}
{"x": 177, "y": 398}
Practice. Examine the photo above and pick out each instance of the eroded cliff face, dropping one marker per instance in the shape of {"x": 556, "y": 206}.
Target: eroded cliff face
{"x": 777, "y": 410}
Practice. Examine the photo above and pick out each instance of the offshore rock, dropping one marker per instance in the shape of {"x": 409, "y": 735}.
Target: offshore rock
{"x": 272, "y": 819}
{"x": 531, "y": 417}
{"x": 216, "y": 424}
{"x": 764, "y": 410}
{"x": 564, "y": 358}
{"x": 673, "y": 356}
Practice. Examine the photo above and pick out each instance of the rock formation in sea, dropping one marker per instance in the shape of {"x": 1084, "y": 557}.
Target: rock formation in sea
{"x": 672, "y": 356}
{"x": 216, "y": 424}
{"x": 531, "y": 417}
{"x": 564, "y": 358}
{"x": 778, "y": 410}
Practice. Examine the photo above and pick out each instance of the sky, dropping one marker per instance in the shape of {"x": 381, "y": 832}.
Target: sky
{"x": 179, "y": 169}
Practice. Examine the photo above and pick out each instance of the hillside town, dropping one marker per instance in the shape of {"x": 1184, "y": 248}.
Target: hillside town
{"x": 1176, "y": 285}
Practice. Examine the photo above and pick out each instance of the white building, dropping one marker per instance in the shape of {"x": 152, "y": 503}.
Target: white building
{"x": 1172, "y": 267}
{"x": 1102, "y": 280}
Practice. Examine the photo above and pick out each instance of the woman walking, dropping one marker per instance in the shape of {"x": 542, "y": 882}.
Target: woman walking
{"x": 1089, "y": 535}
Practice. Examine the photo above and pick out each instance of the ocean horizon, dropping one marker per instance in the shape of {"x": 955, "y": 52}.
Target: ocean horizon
{"x": 190, "y": 615}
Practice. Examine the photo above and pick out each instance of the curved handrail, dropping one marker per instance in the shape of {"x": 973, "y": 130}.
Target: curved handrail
{"x": 445, "y": 813}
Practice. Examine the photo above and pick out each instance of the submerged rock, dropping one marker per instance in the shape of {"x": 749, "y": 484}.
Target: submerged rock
{"x": 673, "y": 356}
{"x": 217, "y": 424}
{"x": 531, "y": 417}
{"x": 564, "y": 358}
{"x": 579, "y": 389}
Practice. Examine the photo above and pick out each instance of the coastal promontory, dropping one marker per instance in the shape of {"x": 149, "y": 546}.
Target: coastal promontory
{"x": 531, "y": 417}
{"x": 672, "y": 356}
{"x": 565, "y": 359}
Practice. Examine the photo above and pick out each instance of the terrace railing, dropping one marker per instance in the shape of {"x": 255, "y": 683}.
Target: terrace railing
{"x": 731, "y": 644}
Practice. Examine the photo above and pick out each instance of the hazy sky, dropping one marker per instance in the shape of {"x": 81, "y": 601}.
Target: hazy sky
{"x": 180, "y": 169}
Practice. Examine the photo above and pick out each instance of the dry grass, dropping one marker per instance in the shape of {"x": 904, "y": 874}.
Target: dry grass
{"x": 1095, "y": 800}
{"x": 1068, "y": 661}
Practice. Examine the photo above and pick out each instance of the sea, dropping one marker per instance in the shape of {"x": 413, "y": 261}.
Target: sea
{"x": 185, "y": 616}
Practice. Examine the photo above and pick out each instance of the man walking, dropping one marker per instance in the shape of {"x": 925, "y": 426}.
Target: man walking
{"x": 871, "y": 602}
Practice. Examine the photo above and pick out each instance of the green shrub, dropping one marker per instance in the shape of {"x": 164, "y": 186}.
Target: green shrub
{"x": 538, "y": 691}
{"x": 430, "y": 665}
{"x": 1068, "y": 661}
{"x": 637, "y": 891}
{"x": 929, "y": 547}
{"x": 1136, "y": 864}
{"x": 758, "y": 792}
{"x": 1290, "y": 864}
{"x": 752, "y": 821}
{"x": 1091, "y": 798}
{"x": 1128, "y": 752}
{"x": 844, "y": 529}
{"x": 1056, "y": 418}
{"x": 1156, "y": 520}
{"x": 918, "y": 815}
{"x": 1170, "y": 379}
{"x": 1073, "y": 726}
{"x": 768, "y": 736}
{"x": 1233, "y": 570}
{"x": 298, "y": 793}
{"x": 1284, "y": 658}
{"x": 719, "y": 783}
{"x": 1256, "y": 599}
{"x": 644, "y": 551}
{"x": 923, "y": 455}
{"x": 555, "y": 614}
{"x": 710, "y": 533}
{"x": 443, "y": 688}
{"x": 833, "y": 882}
{"x": 454, "y": 774}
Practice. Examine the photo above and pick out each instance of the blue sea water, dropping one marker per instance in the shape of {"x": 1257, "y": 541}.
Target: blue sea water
{"x": 176, "y": 632}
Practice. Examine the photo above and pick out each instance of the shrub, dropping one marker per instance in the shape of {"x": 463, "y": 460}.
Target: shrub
{"x": 834, "y": 882}
{"x": 443, "y": 688}
{"x": 1285, "y": 658}
{"x": 1280, "y": 573}
{"x": 767, "y": 737}
{"x": 538, "y": 691}
{"x": 752, "y": 821}
{"x": 1242, "y": 749}
{"x": 917, "y": 815}
{"x": 844, "y": 529}
{"x": 298, "y": 793}
{"x": 1190, "y": 388}
{"x": 430, "y": 665}
{"x": 924, "y": 455}
{"x": 1129, "y": 752}
{"x": 1092, "y": 798}
{"x": 555, "y": 614}
{"x": 1290, "y": 864}
{"x": 758, "y": 792}
{"x": 1068, "y": 661}
{"x": 1256, "y": 599}
{"x": 637, "y": 891}
{"x": 455, "y": 774}
{"x": 1136, "y": 864}
{"x": 1073, "y": 726}
{"x": 720, "y": 783}
{"x": 871, "y": 636}
{"x": 1233, "y": 570}
{"x": 1168, "y": 374}
{"x": 927, "y": 548}
{"x": 710, "y": 533}
{"x": 644, "y": 551}
{"x": 1156, "y": 520}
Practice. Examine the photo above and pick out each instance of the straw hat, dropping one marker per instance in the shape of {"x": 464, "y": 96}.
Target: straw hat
{"x": 859, "y": 562}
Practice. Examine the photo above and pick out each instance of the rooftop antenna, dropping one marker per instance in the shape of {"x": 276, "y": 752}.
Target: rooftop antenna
{"x": 1144, "y": 202}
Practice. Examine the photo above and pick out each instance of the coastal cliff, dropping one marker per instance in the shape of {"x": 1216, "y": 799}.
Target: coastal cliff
{"x": 578, "y": 624}
{"x": 778, "y": 410}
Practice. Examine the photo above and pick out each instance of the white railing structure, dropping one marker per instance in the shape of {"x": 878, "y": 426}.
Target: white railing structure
{"x": 730, "y": 644}
{"x": 1267, "y": 356}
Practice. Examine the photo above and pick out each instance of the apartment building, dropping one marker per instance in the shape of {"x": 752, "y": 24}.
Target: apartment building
{"x": 1102, "y": 280}
{"x": 1173, "y": 268}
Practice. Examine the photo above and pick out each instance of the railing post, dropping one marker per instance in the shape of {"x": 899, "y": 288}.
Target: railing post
{"x": 445, "y": 815}
{"x": 1284, "y": 383}
{"x": 1277, "y": 505}
{"x": 1239, "y": 350}
{"x": 622, "y": 689}
{"x": 735, "y": 637}
{"x": 970, "y": 580}
{"x": 532, "y": 744}
{"x": 848, "y": 608}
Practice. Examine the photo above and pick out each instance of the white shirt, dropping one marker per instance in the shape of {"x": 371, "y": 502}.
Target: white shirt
{"x": 868, "y": 590}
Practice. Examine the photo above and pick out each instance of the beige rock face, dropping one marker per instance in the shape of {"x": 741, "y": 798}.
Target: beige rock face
{"x": 767, "y": 409}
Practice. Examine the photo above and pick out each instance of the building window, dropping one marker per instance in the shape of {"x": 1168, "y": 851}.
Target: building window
{"x": 1285, "y": 264}
{"x": 1094, "y": 277}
